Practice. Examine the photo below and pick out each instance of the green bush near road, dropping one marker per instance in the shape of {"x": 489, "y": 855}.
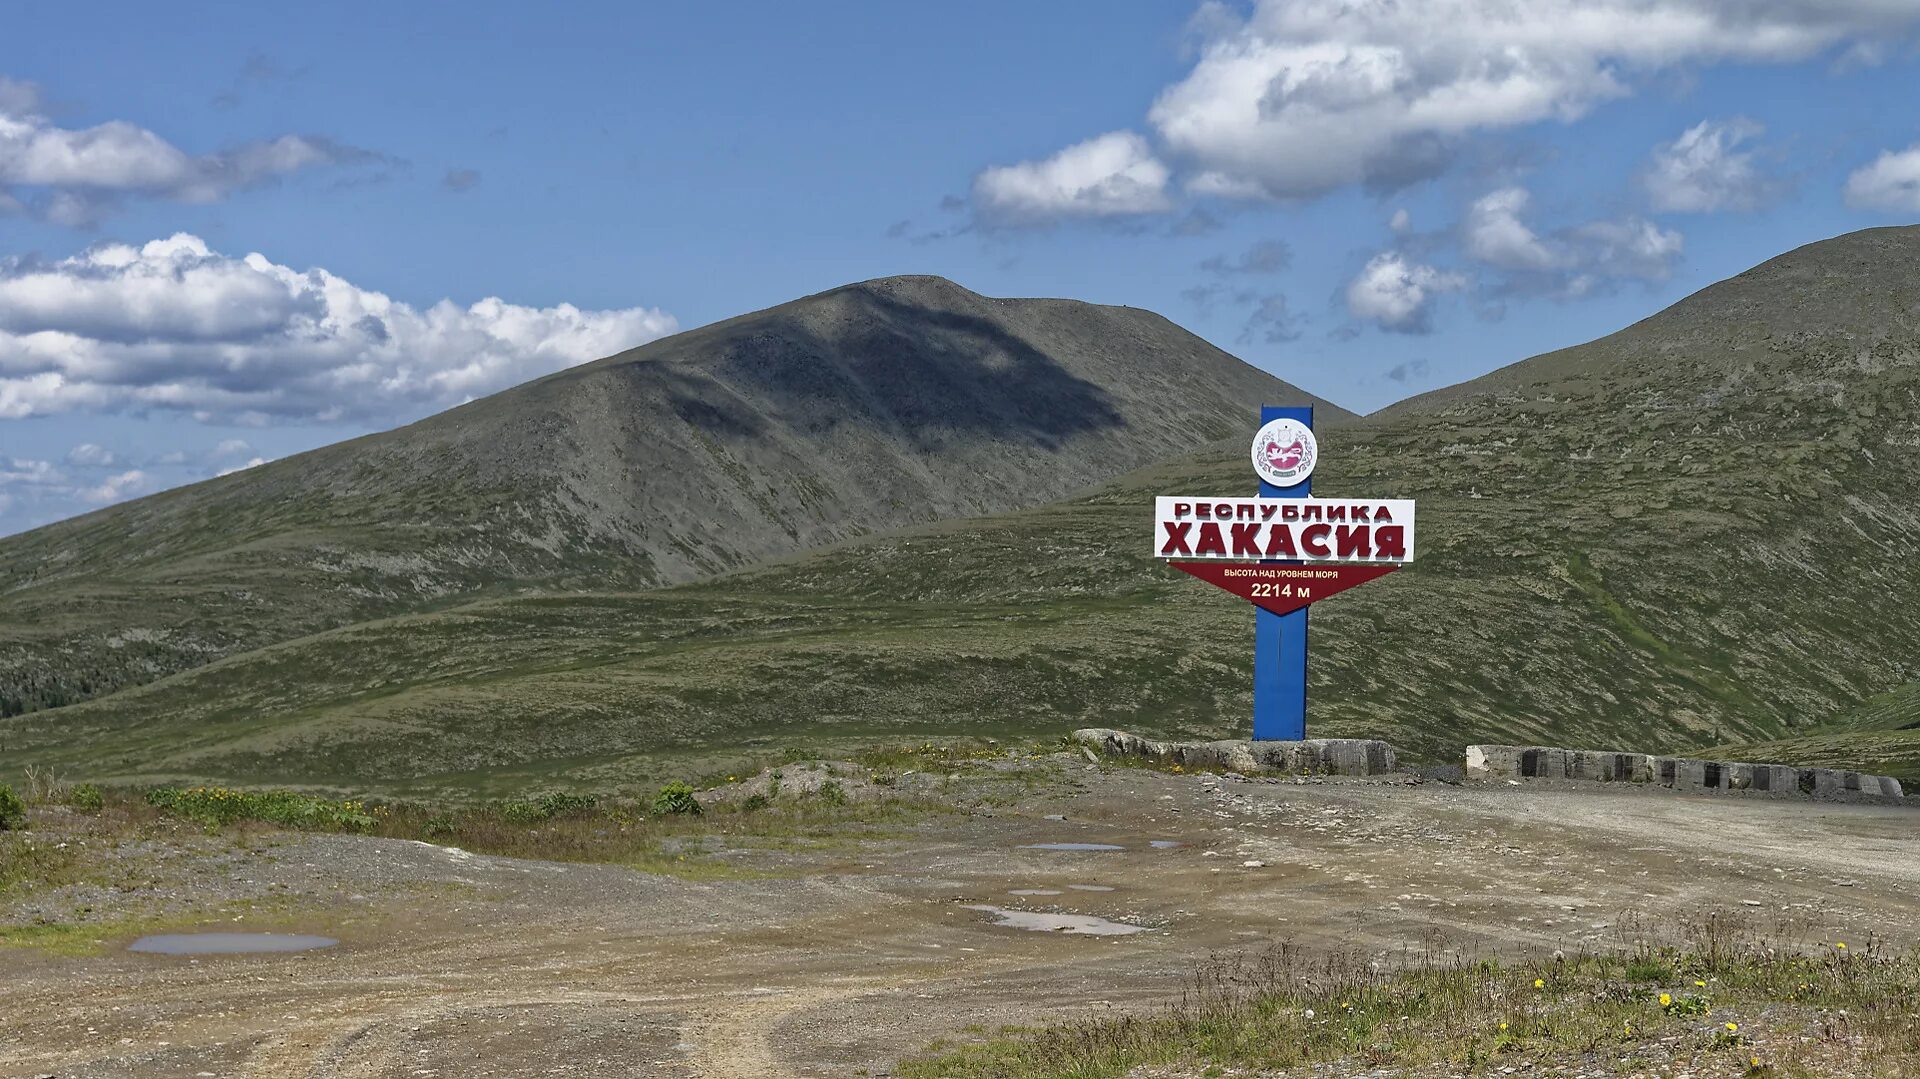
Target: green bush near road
{"x": 546, "y": 807}
{"x": 13, "y": 811}
{"x": 214, "y": 806}
{"x": 676, "y": 798}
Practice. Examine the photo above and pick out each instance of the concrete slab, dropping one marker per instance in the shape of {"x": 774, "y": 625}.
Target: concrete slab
{"x": 1678, "y": 773}
{"x": 1313, "y": 756}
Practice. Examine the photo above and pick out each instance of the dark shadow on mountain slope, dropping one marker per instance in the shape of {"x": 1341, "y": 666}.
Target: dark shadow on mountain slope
{"x": 911, "y": 368}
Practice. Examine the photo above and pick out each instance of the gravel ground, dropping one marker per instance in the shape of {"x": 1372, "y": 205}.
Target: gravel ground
{"x": 453, "y": 964}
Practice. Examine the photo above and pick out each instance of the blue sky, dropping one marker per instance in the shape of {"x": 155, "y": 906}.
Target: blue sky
{"x": 1369, "y": 199}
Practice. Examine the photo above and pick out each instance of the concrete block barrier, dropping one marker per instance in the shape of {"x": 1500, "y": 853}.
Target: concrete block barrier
{"x": 1678, "y": 773}
{"x": 1313, "y": 756}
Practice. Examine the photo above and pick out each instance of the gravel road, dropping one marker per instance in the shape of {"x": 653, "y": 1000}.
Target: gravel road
{"x": 455, "y": 964}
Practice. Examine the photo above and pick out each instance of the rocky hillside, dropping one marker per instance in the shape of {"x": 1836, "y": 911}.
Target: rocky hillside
{"x": 873, "y": 406}
{"x": 1699, "y": 531}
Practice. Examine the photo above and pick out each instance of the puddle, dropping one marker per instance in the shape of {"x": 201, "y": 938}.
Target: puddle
{"x": 1165, "y": 844}
{"x": 1034, "y": 891}
{"x": 1078, "y": 924}
{"x": 1091, "y": 887}
{"x": 228, "y": 943}
{"x": 1072, "y": 846}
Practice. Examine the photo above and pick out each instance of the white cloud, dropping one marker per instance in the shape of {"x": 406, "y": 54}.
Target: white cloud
{"x": 1306, "y": 96}
{"x": 1631, "y": 247}
{"x": 27, "y": 472}
{"x": 1108, "y": 175}
{"x": 26, "y": 480}
{"x": 1891, "y": 183}
{"x": 1569, "y": 262}
{"x": 74, "y": 176}
{"x": 18, "y": 96}
{"x": 1266, "y": 257}
{"x": 1397, "y": 294}
{"x": 1705, "y": 169}
{"x": 175, "y": 326}
{"x": 231, "y": 469}
{"x": 116, "y": 487}
{"x": 1494, "y": 233}
{"x": 90, "y": 455}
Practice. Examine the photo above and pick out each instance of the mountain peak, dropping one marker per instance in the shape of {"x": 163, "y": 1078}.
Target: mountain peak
{"x": 869, "y": 407}
{"x": 1844, "y": 304}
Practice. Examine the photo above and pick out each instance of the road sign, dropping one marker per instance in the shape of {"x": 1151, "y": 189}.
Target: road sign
{"x": 1284, "y": 588}
{"x": 1283, "y": 551}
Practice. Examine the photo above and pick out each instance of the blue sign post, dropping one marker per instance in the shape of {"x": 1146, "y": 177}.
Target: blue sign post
{"x": 1280, "y": 640}
{"x": 1282, "y": 557}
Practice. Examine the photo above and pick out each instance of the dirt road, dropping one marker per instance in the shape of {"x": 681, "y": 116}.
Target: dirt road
{"x": 462, "y": 965}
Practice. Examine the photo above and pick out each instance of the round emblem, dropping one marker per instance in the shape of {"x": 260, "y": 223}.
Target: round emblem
{"x": 1284, "y": 452}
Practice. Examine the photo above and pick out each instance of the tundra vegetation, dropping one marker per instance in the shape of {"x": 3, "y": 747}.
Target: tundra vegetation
{"x": 1690, "y": 535}
{"x": 1711, "y": 996}
{"x": 667, "y": 830}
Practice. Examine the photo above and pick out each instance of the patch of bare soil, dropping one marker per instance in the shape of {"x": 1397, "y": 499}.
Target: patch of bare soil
{"x": 456, "y": 964}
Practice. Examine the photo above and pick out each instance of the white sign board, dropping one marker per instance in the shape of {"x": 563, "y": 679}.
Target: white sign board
{"x": 1378, "y": 530}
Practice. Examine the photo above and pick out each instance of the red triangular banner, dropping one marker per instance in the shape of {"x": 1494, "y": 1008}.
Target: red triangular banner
{"x": 1284, "y": 588}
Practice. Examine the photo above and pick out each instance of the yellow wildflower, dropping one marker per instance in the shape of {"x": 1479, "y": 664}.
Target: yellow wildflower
{"x": 1666, "y": 1000}
{"x": 1539, "y": 983}
{"x": 1700, "y": 985}
{"x": 1732, "y": 1027}
{"x": 1840, "y": 944}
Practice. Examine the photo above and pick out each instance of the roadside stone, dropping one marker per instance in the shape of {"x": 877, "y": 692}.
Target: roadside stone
{"x": 1314, "y": 756}
{"x": 1515, "y": 763}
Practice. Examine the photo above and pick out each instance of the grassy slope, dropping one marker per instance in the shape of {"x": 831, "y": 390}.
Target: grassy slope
{"x": 1735, "y": 1005}
{"x": 1541, "y": 614}
{"x": 1696, "y": 532}
{"x": 1881, "y": 735}
{"x": 870, "y": 407}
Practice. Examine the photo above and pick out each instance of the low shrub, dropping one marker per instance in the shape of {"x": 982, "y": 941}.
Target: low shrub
{"x": 563, "y": 804}
{"x": 13, "y": 811}
{"x": 676, "y": 798}
{"x": 215, "y": 806}
{"x": 545, "y": 807}
{"x": 521, "y": 811}
{"x": 86, "y": 798}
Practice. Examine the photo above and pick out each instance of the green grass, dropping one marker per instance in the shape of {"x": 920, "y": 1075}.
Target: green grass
{"x": 74, "y": 939}
{"x": 216, "y": 806}
{"x": 731, "y": 840}
{"x": 556, "y": 826}
{"x": 692, "y": 455}
{"x": 1027, "y": 626}
{"x": 1887, "y": 753}
{"x": 1615, "y": 551}
{"x": 1719, "y": 1002}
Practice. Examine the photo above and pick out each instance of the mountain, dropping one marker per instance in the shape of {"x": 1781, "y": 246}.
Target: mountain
{"x": 866, "y": 408}
{"x": 1698, "y": 531}
{"x": 1880, "y": 735}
